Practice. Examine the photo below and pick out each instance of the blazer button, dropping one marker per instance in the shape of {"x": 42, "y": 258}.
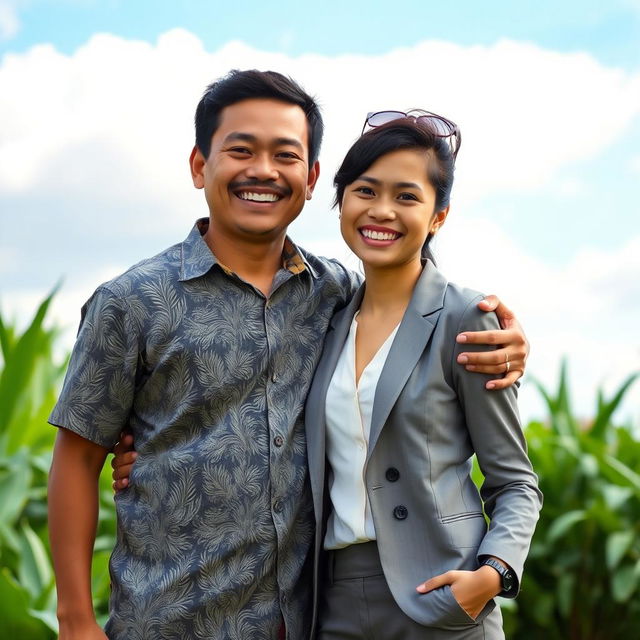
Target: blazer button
{"x": 400, "y": 512}
{"x": 392, "y": 474}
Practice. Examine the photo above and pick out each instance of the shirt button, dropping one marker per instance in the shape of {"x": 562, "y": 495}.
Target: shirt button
{"x": 277, "y": 506}
{"x": 274, "y": 377}
{"x": 278, "y": 441}
{"x": 392, "y": 474}
{"x": 400, "y": 512}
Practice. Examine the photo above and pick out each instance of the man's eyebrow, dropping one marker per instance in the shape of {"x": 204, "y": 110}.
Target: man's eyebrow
{"x": 289, "y": 142}
{"x": 399, "y": 185}
{"x": 239, "y": 136}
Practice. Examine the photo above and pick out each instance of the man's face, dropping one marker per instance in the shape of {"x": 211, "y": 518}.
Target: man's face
{"x": 257, "y": 175}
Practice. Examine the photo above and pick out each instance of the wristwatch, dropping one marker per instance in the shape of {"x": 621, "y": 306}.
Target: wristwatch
{"x": 507, "y": 576}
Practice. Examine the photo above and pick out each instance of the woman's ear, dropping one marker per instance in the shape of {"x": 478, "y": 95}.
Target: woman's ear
{"x": 438, "y": 220}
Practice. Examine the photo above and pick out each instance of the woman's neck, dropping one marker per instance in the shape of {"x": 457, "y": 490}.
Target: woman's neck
{"x": 388, "y": 291}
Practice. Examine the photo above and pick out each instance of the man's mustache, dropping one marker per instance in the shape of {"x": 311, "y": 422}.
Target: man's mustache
{"x": 268, "y": 184}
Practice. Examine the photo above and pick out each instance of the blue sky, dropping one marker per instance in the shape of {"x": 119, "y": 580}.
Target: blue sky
{"x": 608, "y": 29}
{"x": 96, "y": 130}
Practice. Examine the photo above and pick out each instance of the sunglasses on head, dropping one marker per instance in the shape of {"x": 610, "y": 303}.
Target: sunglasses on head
{"x": 439, "y": 126}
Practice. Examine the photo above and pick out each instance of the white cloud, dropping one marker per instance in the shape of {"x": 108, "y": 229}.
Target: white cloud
{"x": 101, "y": 138}
{"x": 9, "y": 23}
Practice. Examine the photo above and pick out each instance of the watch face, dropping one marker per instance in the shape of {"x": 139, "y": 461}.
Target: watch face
{"x": 507, "y": 581}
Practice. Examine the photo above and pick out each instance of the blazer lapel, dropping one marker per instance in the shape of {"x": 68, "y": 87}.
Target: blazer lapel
{"x": 315, "y": 418}
{"x": 411, "y": 339}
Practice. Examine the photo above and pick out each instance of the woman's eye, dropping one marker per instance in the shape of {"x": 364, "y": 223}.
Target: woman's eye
{"x": 407, "y": 196}
{"x": 367, "y": 191}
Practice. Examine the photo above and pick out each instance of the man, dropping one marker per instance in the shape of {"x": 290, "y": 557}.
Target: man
{"x": 205, "y": 352}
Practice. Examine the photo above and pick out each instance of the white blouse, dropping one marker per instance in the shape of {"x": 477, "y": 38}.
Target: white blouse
{"x": 348, "y": 410}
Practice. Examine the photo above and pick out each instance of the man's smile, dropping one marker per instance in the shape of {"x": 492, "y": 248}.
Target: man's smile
{"x": 253, "y": 191}
{"x": 258, "y": 197}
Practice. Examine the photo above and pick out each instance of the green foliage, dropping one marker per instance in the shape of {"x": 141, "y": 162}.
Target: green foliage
{"x": 29, "y": 383}
{"x": 582, "y": 578}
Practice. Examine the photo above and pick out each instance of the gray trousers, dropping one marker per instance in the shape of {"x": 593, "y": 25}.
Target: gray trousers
{"x": 356, "y": 604}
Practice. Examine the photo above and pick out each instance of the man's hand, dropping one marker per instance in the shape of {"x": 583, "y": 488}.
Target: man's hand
{"x": 124, "y": 455}
{"x": 510, "y": 357}
{"x": 81, "y": 631}
{"x": 472, "y": 589}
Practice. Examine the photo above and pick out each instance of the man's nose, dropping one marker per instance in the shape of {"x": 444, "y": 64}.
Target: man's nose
{"x": 262, "y": 168}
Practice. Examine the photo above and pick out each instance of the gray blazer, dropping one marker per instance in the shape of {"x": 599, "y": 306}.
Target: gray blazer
{"x": 429, "y": 416}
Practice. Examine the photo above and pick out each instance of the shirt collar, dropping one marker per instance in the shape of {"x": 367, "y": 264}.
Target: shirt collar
{"x": 197, "y": 258}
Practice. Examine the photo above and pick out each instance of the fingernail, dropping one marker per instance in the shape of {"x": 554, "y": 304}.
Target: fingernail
{"x": 462, "y": 359}
{"x": 420, "y": 588}
{"x": 491, "y": 385}
{"x": 470, "y": 367}
{"x": 461, "y": 338}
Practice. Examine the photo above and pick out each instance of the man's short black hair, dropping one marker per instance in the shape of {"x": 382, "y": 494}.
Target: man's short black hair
{"x": 246, "y": 85}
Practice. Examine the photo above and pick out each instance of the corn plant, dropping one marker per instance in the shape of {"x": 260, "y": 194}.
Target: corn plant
{"x": 29, "y": 382}
{"x": 582, "y": 578}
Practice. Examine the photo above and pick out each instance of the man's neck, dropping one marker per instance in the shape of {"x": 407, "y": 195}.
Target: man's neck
{"x": 254, "y": 262}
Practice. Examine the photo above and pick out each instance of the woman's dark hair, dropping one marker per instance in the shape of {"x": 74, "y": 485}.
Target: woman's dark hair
{"x": 246, "y": 85}
{"x": 404, "y": 133}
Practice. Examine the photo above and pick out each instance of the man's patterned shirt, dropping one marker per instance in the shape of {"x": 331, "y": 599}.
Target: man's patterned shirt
{"x": 211, "y": 377}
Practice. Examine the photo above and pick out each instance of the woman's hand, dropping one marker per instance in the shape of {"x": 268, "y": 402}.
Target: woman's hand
{"x": 509, "y": 359}
{"x": 122, "y": 463}
{"x": 472, "y": 589}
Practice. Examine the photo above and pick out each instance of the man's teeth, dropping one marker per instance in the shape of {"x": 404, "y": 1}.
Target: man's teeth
{"x": 258, "y": 197}
{"x": 379, "y": 235}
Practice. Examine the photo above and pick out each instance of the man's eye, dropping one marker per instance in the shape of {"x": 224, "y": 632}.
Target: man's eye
{"x": 239, "y": 150}
{"x": 287, "y": 155}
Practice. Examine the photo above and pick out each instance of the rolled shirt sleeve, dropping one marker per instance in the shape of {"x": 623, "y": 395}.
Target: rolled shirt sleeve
{"x": 98, "y": 390}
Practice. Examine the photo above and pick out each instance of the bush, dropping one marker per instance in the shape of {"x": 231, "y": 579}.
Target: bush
{"x": 29, "y": 382}
{"x": 582, "y": 578}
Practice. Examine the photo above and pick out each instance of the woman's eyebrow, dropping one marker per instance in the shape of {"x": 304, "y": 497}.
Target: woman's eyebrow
{"x": 399, "y": 185}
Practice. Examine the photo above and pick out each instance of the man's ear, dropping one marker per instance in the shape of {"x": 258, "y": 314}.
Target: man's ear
{"x": 312, "y": 178}
{"x": 196, "y": 164}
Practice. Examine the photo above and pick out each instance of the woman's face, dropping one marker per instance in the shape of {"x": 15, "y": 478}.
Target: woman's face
{"x": 387, "y": 213}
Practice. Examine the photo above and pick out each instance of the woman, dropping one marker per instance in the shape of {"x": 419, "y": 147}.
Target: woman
{"x": 392, "y": 422}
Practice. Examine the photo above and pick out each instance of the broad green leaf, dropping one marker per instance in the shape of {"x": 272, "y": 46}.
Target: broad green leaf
{"x": 9, "y": 537}
{"x": 615, "y": 496}
{"x": 48, "y": 617}
{"x": 562, "y": 524}
{"x": 624, "y": 472}
{"x": 618, "y": 544}
{"x": 35, "y": 570}
{"x": 606, "y": 409}
{"x": 16, "y": 622}
{"x": 564, "y": 590}
{"x": 589, "y": 465}
{"x": 19, "y": 366}
{"x": 625, "y": 582}
{"x": 15, "y": 480}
